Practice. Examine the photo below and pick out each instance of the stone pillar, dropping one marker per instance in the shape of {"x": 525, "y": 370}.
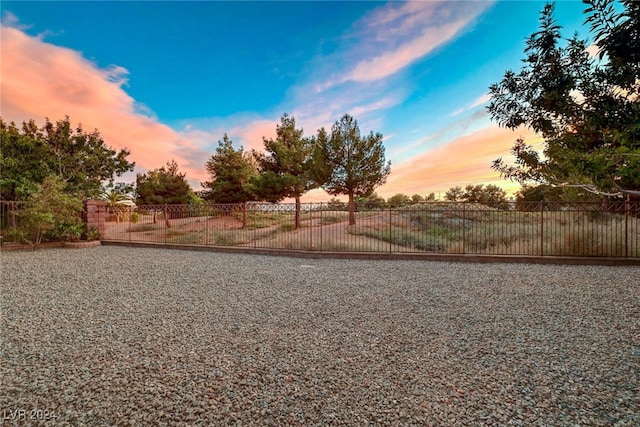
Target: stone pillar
{"x": 95, "y": 215}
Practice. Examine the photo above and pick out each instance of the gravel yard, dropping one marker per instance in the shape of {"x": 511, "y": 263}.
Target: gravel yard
{"x": 133, "y": 336}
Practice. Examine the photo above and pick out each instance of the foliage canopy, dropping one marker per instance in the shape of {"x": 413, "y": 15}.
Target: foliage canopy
{"x": 165, "y": 185}
{"x": 285, "y": 167}
{"x": 230, "y": 171}
{"x": 347, "y": 163}
{"x": 587, "y": 110}
{"x": 81, "y": 159}
{"x": 49, "y": 213}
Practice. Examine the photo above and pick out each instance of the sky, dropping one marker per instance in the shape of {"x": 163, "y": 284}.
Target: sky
{"x": 168, "y": 79}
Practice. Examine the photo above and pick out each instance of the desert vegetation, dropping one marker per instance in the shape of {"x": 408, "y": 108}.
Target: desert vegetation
{"x": 579, "y": 229}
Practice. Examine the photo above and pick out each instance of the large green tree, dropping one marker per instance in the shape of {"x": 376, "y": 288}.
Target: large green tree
{"x": 347, "y": 163}
{"x": 587, "y": 110}
{"x": 231, "y": 171}
{"x": 163, "y": 186}
{"x": 81, "y": 159}
{"x": 285, "y": 166}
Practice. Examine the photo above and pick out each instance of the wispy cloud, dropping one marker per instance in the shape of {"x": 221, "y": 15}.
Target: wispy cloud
{"x": 457, "y": 129}
{"x": 361, "y": 76}
{"x": 399, "y": 33}
{"x": 12, "y": 21}
{"x": 481, "y": 100}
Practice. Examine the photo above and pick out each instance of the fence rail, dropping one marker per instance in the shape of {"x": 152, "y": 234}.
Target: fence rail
{"x": 601, "y": 229}
{"x": 598, "y": 229}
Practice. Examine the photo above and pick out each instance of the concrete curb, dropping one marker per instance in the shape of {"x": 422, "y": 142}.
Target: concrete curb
{"x": 519, "y": 259}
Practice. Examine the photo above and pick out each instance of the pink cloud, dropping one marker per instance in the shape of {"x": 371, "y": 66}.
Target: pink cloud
{"x": 251, "y": 134}
{"x": 42, "y": 80}
{"x": 463, "y": 161}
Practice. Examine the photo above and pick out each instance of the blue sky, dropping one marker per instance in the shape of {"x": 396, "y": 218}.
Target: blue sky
{"x": 168, "y": 79}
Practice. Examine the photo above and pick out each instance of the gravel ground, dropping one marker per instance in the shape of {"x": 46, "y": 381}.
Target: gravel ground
{"x": 133, "y": 336}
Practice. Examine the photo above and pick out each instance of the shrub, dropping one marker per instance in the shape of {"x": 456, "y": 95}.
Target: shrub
{"x": 134, "y": 217}
{"x": 143, "y": 227}
{"x": 92, "y": 234}
{"x": 287, "y": 227}
{"x": 50, "y": 213}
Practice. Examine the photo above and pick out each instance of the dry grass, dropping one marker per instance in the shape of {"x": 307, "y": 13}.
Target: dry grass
{"x": 442, "y": 230}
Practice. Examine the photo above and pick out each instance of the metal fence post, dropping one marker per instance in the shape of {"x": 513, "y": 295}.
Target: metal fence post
{"x": 542, "y": 228}
{"x": 390, "y": 238}
{"x": 626, "y": 225}
{"x": 464, "y": 228}
{"x": 321, "y": 224}
{"x": 310, "y": 227}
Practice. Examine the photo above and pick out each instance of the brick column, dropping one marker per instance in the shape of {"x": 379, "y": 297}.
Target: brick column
{"x": 95, "y": 215}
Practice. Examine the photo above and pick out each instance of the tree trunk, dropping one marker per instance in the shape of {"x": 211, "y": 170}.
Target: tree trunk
{"x": 297, "y": 220}
{"x": 352, "y": 210}
{"x": 166, "y": 217}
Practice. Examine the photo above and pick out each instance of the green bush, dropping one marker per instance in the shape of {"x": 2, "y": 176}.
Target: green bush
{"x": 134, "y": 218}
{"x": 50, "y": 214}
{"x": 92, "y": 234}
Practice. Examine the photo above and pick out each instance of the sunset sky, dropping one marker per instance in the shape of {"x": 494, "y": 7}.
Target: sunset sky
{"x": 168, "y": 79}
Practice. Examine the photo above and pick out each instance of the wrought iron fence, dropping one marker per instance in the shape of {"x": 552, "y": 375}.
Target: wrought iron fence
{"x": 9, "y": 217}
{"x": 610, "y": 229}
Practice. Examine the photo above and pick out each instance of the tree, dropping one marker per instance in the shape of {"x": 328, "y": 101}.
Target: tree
{"x": 82, "y": 160}
{"x": 347, "y": 163}
{"x": 116, "y": 195}
{"x": 454, "y": 194}
{"x": 371, "y": 201}
{"x": 417, "y": 198}
{"x": 587, "y": 111}
{"x": 231, "y": 171}
{"x": 528, "y": 194}
{"x": 285, "y": 169}
{"x": 491, "y": 195}
{"x": 24, "y": 160}
{"x": 49, "y": 211}
{"x": 163, "y": 186}
{"x": 398, "y": 200}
